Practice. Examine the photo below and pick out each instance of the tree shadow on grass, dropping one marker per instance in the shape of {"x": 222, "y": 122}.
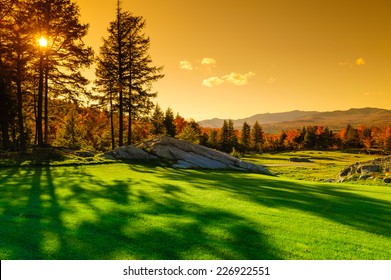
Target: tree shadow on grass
{"x": 328, "y": 201}
{"x": 70, "y": 213}
{"x": 67, "y": 213}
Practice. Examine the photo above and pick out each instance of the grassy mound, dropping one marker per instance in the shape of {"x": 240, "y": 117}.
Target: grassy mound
{"x": 141, "y": 211}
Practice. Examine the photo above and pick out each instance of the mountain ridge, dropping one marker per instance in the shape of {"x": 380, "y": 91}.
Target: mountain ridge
{"x": 336, "y": 120}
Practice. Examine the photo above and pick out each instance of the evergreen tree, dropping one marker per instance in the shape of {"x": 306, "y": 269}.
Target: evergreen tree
{"x": 169, "y": 123}
{"x": 256, "y": 137}
{"x": 157, "y": 121}
{"x": 309, "y": 141}
{"x": 12, "y": 48}
{"x": 228, "y": 139}
{"x": 191, "y": 133}
{"x": 281, "y": 140}
{"x": 245, "y": 138}
{"x": 5, "y": 84}
{"x": 224, "y": 137}
{"x": 351, "y": 137}
{"x": 125, "y": 63}
{"x": 213, "y": 139}
{"x": 328, "y": 138}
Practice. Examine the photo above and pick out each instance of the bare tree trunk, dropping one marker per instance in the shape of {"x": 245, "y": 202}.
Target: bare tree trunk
{"x": 46, "y": 101}
{"x": 39, "y": 103}
{"x": 4, "y": 114}
{"x": 20, "y": 104}
{"x": 120, "y": 78}
{"x": 130, "y": 110}
{"x": 112, "y": 123}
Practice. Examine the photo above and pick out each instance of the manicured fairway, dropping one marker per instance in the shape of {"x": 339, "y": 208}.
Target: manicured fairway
{"x": 138, "y": 211}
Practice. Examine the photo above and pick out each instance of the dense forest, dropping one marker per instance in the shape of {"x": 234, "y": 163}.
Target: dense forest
{"x": 45, "y": 100}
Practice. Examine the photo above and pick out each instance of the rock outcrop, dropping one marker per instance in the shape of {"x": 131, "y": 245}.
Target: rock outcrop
{"x": 188, "y": 155}
{"x": 377, "y": 168}
{"x": 184, "y": 155}
{"x": 129, "y": 152}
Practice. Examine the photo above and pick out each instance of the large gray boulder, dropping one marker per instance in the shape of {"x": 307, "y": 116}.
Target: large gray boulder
{"x": 189, "y": 155}
{"x": 129, "y": 152}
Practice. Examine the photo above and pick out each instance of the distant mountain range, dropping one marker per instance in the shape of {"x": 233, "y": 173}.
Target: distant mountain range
{"x": 335, "y": 120}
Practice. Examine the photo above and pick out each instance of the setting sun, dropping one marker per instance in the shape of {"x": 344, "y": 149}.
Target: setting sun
{"x": 43, "y": 42}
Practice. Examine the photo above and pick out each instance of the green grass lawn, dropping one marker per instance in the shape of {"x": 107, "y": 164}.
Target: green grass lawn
{"x": 321, "y": 165}
{"x": 141, "y": 211}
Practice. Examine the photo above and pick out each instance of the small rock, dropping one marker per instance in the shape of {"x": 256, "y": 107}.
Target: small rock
{"x": 364, "y": 176}
{"x": 387, "y": 180}
{"x": 369, "y": 168}
{"x": 329, "y": 181}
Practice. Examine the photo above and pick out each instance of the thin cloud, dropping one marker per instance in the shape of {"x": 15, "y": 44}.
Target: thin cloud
{"x": 373, "y": 93}
{"x": 233, "y": 78}
{"x": 238, "y": 79}
{"x": 186, "y": 65}
{"x": 208, "y": 61}
{"x": 360, "y": 61}
{"x": 271, "y": 80}
{"x": 345, "y": 64}
{"x": 212, "y": 82}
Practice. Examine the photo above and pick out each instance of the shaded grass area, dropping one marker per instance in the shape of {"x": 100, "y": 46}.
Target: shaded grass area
{"x": 51, "y": 157}
{"x": 141, "y": 211}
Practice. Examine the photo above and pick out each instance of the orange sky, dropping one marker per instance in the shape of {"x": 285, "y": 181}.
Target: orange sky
{"x": 233, "y": 59}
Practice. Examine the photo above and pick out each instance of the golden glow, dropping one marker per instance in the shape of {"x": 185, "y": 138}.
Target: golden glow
{"x": 43, "y": 42}
{"x": 276, "y": 56}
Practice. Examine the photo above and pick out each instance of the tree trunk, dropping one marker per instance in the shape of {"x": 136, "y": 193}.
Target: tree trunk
{"x": 46, "y": 101}
{"x": 48, "y": 14}
{"x": 4, "y": 114}
{"x": 20, "y": 104}
{"x": 112, "y": 123}
{"x": 38, "y": 120}
{"x": 130, "y": 126}
{"x": 120, "y": 79}
{"x": 130, "y": 110}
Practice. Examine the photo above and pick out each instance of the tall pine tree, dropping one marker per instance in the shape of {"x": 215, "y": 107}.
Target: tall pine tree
{"x": 245, "y": 136}
{"x": 257, "y": 137}
{"x": 124, "y": 70}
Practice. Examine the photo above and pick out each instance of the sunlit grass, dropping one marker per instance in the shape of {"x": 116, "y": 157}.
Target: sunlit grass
{"x": 321, "y": 166}
{"x": 138, "y": 211}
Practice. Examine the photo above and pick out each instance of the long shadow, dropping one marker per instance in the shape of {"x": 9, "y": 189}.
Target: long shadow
{"x": 70, "y": 213}
{"x": 21, "y": 214}
{"x": 324, "y": 200}
{"x": 116, "y": 219}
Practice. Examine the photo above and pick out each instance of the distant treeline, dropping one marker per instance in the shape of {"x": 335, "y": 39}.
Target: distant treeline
{"x": 89, "y": 128}
{"x": 254, "y": 139}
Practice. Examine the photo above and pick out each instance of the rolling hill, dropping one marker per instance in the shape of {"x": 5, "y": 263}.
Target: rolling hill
{"x": 336, "y": 120}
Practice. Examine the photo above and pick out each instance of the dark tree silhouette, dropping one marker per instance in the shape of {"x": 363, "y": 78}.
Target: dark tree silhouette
{"x": 124, "y": 71}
